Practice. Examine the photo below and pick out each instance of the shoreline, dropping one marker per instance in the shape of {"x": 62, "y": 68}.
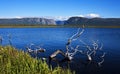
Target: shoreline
{"x": 53, "y": 26}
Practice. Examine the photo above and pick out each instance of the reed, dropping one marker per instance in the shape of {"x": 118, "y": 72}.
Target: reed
{"x": 13, "y": 61}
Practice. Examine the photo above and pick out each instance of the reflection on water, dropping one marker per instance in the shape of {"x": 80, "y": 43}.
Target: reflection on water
{"x": 52, "y": 39}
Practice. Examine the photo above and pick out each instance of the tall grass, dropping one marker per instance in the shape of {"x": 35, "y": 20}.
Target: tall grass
{"x": 13, "y": 61}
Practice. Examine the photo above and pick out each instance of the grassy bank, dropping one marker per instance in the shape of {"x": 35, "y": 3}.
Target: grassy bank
{"x": 13, "y": 61}
{"x": 27, "y": 26}
{"x": 92, "y": 26}
{"x": 54, "y": 26}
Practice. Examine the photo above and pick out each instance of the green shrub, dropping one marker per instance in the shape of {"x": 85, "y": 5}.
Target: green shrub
{"x": 13, "y": 61}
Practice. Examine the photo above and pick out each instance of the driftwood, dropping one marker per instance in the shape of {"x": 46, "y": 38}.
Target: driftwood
{"x": 52, "y": 57}
{"x": 1, "y": 40}
{"x": 35, "y": 51}
{"x": 30, "y": 50}
{"x": 68, "y": 56}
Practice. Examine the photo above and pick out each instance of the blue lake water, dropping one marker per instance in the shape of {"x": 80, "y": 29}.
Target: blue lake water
{"x": 56, "y": 38}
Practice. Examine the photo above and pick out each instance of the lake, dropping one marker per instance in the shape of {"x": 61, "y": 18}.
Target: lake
{"x": 52, "y": 39}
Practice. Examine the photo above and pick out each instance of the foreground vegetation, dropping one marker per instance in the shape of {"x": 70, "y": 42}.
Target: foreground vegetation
{"x": 13, "y": 61}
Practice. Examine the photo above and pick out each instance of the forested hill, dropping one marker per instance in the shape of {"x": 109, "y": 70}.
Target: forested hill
{"x": 93, "y": 21}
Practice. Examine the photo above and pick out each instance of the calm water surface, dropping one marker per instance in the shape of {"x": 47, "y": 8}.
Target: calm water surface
{"x": 55, "y": 38}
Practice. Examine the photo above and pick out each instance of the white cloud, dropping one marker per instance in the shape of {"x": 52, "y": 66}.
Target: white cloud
{"x": 62, "y": 17}
{"x": 19, "y": 17}
{"x": 81, "y": 15}
{"x": 92, "y": 15}
{"x": 57, "y": 17}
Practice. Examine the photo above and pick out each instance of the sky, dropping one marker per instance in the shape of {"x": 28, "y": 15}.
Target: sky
{"x": 61, "y": 9}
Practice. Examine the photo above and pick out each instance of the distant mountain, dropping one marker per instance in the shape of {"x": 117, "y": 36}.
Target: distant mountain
{"x": 71, "y": 21}
{"x": 59, "y": 22}
{"x": 93, "y": 21}
{"x": 28, "y": 21}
